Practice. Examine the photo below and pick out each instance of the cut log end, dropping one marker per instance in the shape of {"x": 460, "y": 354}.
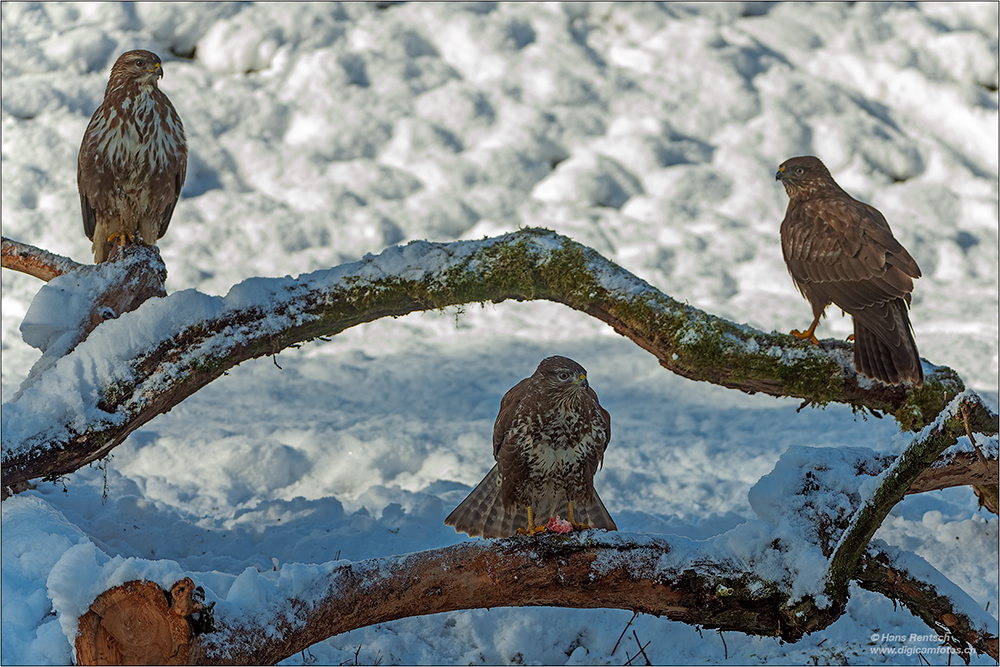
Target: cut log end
{"x": 138, "y": 623}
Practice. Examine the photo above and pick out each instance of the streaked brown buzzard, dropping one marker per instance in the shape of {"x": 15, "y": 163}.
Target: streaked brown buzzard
{"x": 840, "y": 250}
{"x": 548, "y": 441}
{"x": 133, "y": 157}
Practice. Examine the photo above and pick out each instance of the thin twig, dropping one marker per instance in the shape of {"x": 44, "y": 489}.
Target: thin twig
{"x": 726, "y": 648}
{"x": 968, "y": 432}
{"x": 642, "y": 648}
{"x": 625, "y": 629}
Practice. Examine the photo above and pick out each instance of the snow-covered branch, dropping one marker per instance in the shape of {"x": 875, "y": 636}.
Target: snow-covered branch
{"x": 36, "y": 262}
{"x": 769, "y": 576}
{"x": 893, "y": 484}
{"x": 785, "y": 578}
{"x": 83, "y": 296}
{"x": 703, "y": 584}
{"x": 945, "y": 608}
{"x": 145, "y": 362}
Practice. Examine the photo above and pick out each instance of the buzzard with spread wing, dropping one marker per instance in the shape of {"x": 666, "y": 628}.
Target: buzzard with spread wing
{"x": 840, "y": 250}
{"x": 548, "y": 441}
{"x": 133, "y": 157}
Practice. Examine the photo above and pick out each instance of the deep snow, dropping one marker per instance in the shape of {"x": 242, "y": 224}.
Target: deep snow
{"x": 319, "y": 133}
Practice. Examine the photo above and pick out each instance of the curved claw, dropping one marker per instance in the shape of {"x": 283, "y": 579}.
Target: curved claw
{"x": 576, "y": 526}
{"x": 810, "y": 333}
{"x": 805, "y": 335}
{"x": 532, "y": 529}
{"x": 124, "y": 238}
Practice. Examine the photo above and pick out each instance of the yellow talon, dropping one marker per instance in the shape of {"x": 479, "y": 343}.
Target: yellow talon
{"x": 124, "y": 238}
{"x": 808, "y": 334}
{"x": 532, "y": 528}
{"x": 576, "y": 526}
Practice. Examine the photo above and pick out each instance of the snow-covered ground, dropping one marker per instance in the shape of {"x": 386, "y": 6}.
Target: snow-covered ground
{"x": 320, "y": 132}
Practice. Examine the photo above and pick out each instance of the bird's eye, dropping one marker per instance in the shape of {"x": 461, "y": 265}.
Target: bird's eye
{"x": 564, "y": 376}
{"x": 140, "y": 63}
{"x": 800, "y": 171}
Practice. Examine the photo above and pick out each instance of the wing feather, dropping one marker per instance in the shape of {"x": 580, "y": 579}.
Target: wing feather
{"x": 846, "y": 246}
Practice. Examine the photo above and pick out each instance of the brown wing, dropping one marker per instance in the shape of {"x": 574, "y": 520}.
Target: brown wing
{"x": 168, "y": 185}
{"x": 607, "y": 424}
{"x": 88, "y": 178}
{"x": 508, "y": 409}
{"x": 844, "y": 249}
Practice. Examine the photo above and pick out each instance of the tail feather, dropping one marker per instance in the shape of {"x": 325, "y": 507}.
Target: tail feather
{"x": 595, "y": 514}
{"x": 483, "y": 513}
{"x": 884, "y": 348}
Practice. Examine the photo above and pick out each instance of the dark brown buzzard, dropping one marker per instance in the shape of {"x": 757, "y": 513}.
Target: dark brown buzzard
{"x": 133, "y": 157}
{"x": 840, "y": 250}
{"x": 548, "y": 441}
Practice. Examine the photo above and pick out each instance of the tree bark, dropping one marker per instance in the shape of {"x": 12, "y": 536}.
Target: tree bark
{"x": 264, "y": 316}
{"x": 586, "y": 570}
{"x": 528, "y": 264}
{"x": 36, "y": 262}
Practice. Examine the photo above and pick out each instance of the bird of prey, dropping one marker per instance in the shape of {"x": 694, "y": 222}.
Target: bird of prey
{"x": 840, "y": 250}
{"x": 133, "y": 157}
{"x": 548, "y": 441}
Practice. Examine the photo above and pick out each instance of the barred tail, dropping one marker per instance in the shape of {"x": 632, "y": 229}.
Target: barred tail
{"x": 884, "y": 348}
{"x": 483, "y": 513}
{"x": 595, "y": 514}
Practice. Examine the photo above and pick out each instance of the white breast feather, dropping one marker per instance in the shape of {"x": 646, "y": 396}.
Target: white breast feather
{"x": 123, "y": 144}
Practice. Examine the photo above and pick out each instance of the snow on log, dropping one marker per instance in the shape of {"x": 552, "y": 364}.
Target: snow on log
{"x": 74, "y": 303}
{"x": 269, "y": 616}
{"x": 138, "y": 623}
{"x": 145, "y": 362}
{"x": 36, "y": 262}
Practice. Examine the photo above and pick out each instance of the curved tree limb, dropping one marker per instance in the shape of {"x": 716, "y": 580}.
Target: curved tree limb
{"x": 263, "y": 316}
{"x": 192, "y": 339}
{"x": 963, "y": 469}
{"x": 658, "y": 575}
{"x": 897, "y": 479}
{"x": 878, "y": 573}
{"x": 36, "y": 262}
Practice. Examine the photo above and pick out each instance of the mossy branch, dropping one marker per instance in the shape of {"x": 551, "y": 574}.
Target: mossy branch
{"x": 902, "y": 473}
{"x": 263, "y": 316}
{"x": 523, "y": 265}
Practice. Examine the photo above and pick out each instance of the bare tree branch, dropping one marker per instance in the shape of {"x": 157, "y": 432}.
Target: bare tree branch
{"x": 641, "y": 573}
{"x": 919, "y": 456}
{"x": 528, "y": 264}
{"x": 877, "y": 573}
{"x": 647, "y": 574}
{"x": 34, "y": 261}
{"x": 963, "y": 469}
